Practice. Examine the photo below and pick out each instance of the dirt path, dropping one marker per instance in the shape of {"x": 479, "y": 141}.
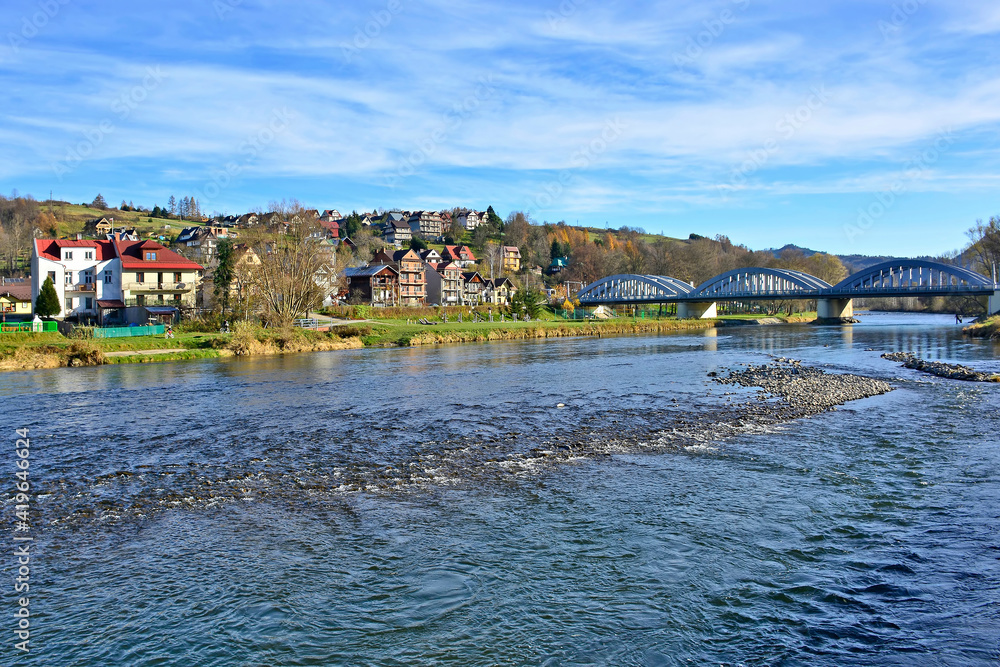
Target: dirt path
{"x": 135, "y": 353}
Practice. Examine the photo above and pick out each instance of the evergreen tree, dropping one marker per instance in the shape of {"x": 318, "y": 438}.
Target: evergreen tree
{"x": 223, "y": 275}
{"x": 47, "y": 303}
{"x": 99, "y": 202}
{"x": 123, "y": 206}
{"x": 495, "y": 220}
{"x": 417, "y": 243}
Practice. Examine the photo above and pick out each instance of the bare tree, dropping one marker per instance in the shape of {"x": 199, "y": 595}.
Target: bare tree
{"x": 984, "y": 245}
{"x": 292, "y": 263}
{"x": 493, "y": 254}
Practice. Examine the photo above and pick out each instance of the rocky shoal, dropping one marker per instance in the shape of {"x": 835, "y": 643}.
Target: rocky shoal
{"x": 941, "y": 369}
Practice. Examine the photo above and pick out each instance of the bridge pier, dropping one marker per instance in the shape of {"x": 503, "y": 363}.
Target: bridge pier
{"x": 687, "y": 310}
{"x": 991, "y": 303}
{"x": 834, "y": 310}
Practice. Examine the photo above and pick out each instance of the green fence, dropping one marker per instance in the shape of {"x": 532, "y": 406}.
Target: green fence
{"x": 20, "y": 327}
{"x": 126, "y": 332}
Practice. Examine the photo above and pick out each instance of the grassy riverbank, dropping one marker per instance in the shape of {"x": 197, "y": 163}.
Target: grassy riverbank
{"x": 989, "y": 328}
{"x": 52, "y": 350}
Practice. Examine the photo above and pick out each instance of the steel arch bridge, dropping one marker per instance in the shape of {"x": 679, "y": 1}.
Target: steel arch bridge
{"x": 760, "y": 283}
{"x": 906, "y": 277}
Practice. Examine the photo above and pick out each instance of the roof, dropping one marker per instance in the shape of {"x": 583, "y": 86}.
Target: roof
{"x": 51, "y": 249}
{"x": 512, "y": 250}
{"x": 368, "y": 271}
{"x": 110, "y": 303}
{"x": 133, "y": 252}
{"x": 19, "y": 291}
{"x": 469, "y": 276}
{"x": 160, "y": 310}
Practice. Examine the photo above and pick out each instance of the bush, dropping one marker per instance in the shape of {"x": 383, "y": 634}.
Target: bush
{"x": 83, "y": 333}
{"x": 84, "y": 353}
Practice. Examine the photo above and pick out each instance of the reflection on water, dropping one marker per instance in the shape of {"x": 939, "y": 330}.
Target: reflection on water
{"x": 861, "y": 536}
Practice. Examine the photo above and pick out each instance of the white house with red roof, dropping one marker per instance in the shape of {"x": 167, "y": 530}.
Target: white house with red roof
{"x": 100, "y": 279}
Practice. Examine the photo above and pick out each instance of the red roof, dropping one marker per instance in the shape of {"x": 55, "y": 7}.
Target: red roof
{"x": 51, "y": 249}
{"x": 133, "y": 255}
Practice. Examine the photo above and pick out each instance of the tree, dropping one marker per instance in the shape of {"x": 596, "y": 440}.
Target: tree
{"x": 493, "y": 219}
{"x": 99, "y": 202}
{"x": 515, "y": 230}
{"x": 223, "y": 274}
{"x": 47, "y": 303}
{"x": 417, "y": 243}
{"x": 984, "y": 246}
{"x": 456, "y": 230}
{"x": 46, "y": 222}
{"x": 172, "y": 205}
{"x": 290, "y": 265}
{"x": 493, "y": 254}
{"x": 527, "y": 301}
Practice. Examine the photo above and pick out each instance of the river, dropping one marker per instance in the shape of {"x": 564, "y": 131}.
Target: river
{"x": 401, "y": 507}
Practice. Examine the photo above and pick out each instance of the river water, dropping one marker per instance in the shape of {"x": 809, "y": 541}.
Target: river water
{"x": 434, "y": 506}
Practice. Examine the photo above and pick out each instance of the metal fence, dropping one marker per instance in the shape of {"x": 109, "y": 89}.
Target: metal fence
{"x": 21, "y": 327}
{"x": 127, "y": 332}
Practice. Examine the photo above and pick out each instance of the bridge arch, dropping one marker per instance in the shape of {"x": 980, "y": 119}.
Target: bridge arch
{"x": 912, "y": 274}
{"x": 760, "y": 282}
{"x": 630, "y": 287}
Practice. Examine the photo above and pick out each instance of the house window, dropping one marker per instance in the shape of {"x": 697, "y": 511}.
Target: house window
{"x": 89, "y": 303}
{"x": 67, "y": 254}
{"x": 69, "y": 305}
{"x": 140, "y": 277}
{"x": 108, "y": 276}
{"x": 140, "y": 300}
{"x": 177, "y": 277}
{"x": 88, "y": 254}
{"x": 151, "y": 256}
{"x": 177, "y": 298}
{"x": 69, "y": 278}
{"x": 88, "y": 277}
{"x": 52, "y": 277}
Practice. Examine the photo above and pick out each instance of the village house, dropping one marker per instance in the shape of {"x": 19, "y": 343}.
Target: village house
{"x": 152, "y": 276}
{"x": 499, "y": 291}
{"x": 202, "y": 242}
{"x": 412, "y": 283}
{"x": 511, "y": 260}
{"x": 426, "y": 223}
{"x": 473, "y": 286}
{"x": 461, "y": 255}
{"x": 330, "y": 215}
{"x": 85, "y": 273}
{"x": 430, "y": 256}
{"x": 15, "y": 300}
{"x": 375, "y": 285}
{"x": 471, "y": 219}
{"x": 444, "y": 284}
{"x": 397, "y": 233}
{"x": 100, "y": 228}
{"x": 332, "y": 227}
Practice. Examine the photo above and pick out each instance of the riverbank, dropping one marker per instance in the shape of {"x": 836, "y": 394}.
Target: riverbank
{"x": 988, "y": 328}
{"x": 52, "y": 350}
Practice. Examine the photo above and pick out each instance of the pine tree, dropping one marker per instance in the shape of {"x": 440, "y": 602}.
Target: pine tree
{"x": 47, "y": 303}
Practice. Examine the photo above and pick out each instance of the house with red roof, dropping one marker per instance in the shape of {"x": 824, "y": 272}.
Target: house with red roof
{"x": 460, "y": 254}
{"x": 101, "y": 280}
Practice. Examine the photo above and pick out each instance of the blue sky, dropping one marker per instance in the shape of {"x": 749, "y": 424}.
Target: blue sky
{"x": 852, "y": 127}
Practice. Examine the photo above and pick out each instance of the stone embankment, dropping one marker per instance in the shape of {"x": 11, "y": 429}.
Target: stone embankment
{"x": 941, "y": 369}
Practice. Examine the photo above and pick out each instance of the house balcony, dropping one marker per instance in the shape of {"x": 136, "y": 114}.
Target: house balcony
{"x": 86, "y": 288}
{"x": 158, "y": 287}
